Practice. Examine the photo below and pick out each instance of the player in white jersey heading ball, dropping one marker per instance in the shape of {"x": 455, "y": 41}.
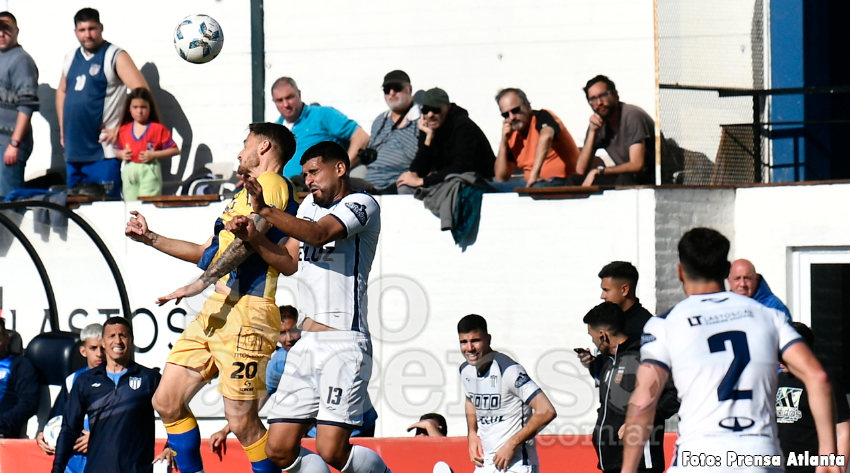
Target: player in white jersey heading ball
{"x": 500, "y": 397}
{"x": 722, "y": 351}
{"x": 333, "y": 242}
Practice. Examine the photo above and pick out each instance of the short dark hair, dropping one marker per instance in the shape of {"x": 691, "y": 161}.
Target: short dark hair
{"x": 286, "y": 80}
{"x": 440, "y": 420}
{"x": 608, "y": 316}
{"x": 329, "y": 152}
{"x": 288, "y": 312}
{"x": 806, "y": 333}
{"x": 117, "y": 321}
{"x": 620, "y": 270}
{"x": 10, "y": 16}
{"x": 281, "y": 138}
{"x": 87, "y": 14}
{"x": 599, "y": 78}
{"x": 522, "y": 97}
{"x": 471, "y": 323}
{"x": 703, "y": 253}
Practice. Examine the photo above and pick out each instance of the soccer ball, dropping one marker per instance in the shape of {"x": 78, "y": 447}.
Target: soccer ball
{"x": 198, "y": 39}
{"x": 51, "y": 431}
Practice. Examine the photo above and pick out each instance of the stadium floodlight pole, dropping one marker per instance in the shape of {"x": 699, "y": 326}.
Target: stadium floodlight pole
{"x": 101, "y": 246}
{"x": 258, "y": 62}
{"x": 39, "y": 266}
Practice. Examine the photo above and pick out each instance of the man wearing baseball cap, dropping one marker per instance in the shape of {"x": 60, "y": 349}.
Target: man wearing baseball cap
{"x": 394, "y": 136}
{"x": 449, "y": 143}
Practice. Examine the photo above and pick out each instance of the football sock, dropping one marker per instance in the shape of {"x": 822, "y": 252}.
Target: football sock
{"x": 364, "y": 460}
{"x": 184, "y": 438}
{"x": 308, "y": 462}
{"x": 256, "y": 452}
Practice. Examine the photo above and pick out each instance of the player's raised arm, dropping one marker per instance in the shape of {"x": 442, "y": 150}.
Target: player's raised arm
{"x": 319, "y": 233}
{"x": 137, "y": 230}
{"x": 805, "y": 367}
{"x": 651, "y": 379}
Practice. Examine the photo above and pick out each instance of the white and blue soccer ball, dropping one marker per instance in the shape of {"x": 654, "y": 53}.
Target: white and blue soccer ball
{"x": 198, "y": 38}
{"x": 52, "y": 430}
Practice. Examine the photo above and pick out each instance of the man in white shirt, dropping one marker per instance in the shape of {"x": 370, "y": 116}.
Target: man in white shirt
{"x": 500, "y": 398}
{"x": 722, "y": 350}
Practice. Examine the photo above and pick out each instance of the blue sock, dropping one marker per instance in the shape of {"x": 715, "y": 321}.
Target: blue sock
{"x": 184, "y": 438}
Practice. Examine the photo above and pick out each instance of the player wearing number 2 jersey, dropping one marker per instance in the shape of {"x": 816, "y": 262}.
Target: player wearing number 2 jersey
{"x": 722, "y": 351}
{"x": 500, "y": 398}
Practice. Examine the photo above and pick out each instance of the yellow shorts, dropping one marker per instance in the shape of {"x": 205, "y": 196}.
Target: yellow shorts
{"x": 234, "y": 338}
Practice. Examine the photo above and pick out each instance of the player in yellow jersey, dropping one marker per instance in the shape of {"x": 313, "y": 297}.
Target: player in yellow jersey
{"x": 235, "y": 332}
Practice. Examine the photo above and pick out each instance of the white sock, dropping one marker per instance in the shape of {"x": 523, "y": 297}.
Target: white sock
{"x": 364, "y": 460}
{"x": 308, "y": 462}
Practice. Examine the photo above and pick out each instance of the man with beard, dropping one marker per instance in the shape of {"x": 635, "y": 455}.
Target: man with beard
{"x": 626, "y": 132}
{"x": 236, "y": 331}
{"x": 536, "y": 141}
{"x": 394, "y": 134}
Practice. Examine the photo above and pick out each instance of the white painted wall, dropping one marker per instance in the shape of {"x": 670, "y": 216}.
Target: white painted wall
{"x": 339, "y": 51}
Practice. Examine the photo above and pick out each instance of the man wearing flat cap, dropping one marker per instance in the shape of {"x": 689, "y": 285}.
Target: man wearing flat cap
{"x": 395, "y": 134}
{"x": 449, "y": 143}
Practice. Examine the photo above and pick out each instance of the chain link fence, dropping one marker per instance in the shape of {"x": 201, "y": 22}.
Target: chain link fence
{"x": 709, "y": 54}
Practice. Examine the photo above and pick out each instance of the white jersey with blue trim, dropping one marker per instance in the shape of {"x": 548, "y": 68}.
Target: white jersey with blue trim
{"x": 722, "y": 351}
{"x": 501, "y": 396}
{"x": 332, "y": 279}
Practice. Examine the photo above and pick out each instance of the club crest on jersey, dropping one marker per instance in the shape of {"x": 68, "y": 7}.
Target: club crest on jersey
{"x": 493, "y": 381}
{"x": 135, "y": 383}
{"x": 647, "y": 338}
{"x": 94, "y": 69}
{"x": 359, "y": 211}
{"x": 521, "y": 379}
{"x": 788, "y": 405}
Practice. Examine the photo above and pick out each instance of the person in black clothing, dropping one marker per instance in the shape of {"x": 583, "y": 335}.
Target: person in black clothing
{"x": 619, "y": 358}
{"x": 619, "y": 284}
{"x": 797, "y": 433}
{"x": 449, "y": 143}
{"x": 116, "y": 396}
{"x": 18, "y": 389}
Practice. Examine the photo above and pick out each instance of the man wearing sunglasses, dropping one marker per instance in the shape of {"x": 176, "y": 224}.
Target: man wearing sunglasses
{"x": 625, "y": 131}
{"x": 395, "y": 134}
{"x": 535, "y": 141}
{"x": 449, "y": 143}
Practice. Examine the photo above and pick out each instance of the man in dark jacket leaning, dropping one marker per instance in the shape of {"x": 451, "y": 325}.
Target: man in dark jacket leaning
{"x": 449, "y": 143}
{"x": 620, "y": 358}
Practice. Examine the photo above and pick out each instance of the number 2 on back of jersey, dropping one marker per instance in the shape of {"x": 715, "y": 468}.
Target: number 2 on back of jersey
{"x": 741, "y": 357}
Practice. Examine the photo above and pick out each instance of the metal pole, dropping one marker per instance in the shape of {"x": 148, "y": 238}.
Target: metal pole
{"x": 258, "y": 62}
{"x": 756, "y": 139}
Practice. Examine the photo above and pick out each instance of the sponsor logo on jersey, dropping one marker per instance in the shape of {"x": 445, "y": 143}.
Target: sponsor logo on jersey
{"x": 736, "y": 424}
{"x": 646, "y": 338}
{"x": 521, "y": 379}
{"x": 135, "y": 383}
{"x": 788, "y": 405}
{"x": 721, "y": 318}
{"x": 359, "y": 211}
{"x": 95, "y": 385}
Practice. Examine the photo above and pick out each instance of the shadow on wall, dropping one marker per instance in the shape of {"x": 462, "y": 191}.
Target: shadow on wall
{"x": 47, "y": 109}
{"x": 174, "y": 119}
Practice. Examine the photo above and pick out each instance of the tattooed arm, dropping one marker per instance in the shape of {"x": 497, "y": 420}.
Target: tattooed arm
{"x": 232, "y": 257}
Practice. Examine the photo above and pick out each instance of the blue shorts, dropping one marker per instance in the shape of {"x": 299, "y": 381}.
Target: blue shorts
{"x": 104, "y": 171}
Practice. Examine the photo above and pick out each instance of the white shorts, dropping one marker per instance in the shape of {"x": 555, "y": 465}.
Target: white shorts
{"x": 325, "y": 378}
